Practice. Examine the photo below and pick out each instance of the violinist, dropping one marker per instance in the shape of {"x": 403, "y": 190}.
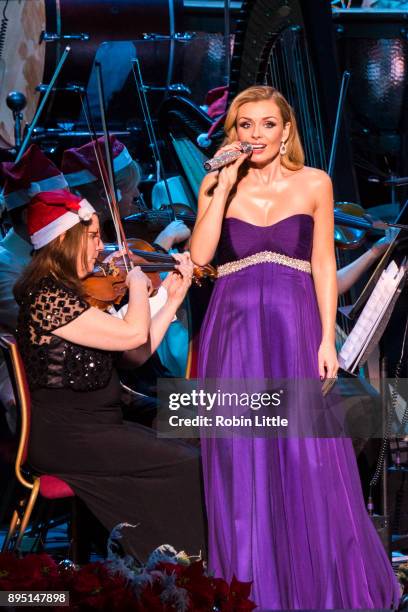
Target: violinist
{"x": 120, "y": 470}
{"x": 81, "y": 170}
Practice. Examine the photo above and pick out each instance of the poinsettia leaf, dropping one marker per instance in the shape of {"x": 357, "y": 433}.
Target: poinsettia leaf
{"x": 240, "y": 589}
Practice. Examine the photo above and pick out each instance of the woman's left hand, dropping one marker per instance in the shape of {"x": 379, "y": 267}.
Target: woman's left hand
{"x": 177, "y": 283}
{"x": 327, "y": 360}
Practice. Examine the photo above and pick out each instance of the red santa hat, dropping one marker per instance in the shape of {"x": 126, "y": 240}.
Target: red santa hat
{"x": 80, "y": 165}
{"x": 52, "y": 213}
{"x": 33, "y": 174}
{"x": 216, "y": 101}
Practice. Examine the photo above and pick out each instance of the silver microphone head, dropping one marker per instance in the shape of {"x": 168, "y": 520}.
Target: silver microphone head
{"x": 227, "y": 157}
{"x": 246, "y": 147}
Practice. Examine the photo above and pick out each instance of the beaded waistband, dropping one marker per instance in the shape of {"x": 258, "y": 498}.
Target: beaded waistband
{"x": 264, "y": 257}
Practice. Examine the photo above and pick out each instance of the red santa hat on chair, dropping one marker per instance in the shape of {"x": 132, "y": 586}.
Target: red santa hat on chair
{"x": 52, "y": 213}
{"x": 33, "y": 174}
{"x": 80, "y": 165}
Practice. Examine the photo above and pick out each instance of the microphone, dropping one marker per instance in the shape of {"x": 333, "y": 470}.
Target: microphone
{"x": 229, "y": 156}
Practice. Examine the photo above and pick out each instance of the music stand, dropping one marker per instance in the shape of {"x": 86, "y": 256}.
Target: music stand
{"x": 365, "y": 339}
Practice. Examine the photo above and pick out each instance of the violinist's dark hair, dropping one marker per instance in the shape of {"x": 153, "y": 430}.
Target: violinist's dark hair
{"x": 57, "y": 259}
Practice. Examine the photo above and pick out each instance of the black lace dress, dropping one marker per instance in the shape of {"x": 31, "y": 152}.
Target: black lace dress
{"x": 120, "y": 470}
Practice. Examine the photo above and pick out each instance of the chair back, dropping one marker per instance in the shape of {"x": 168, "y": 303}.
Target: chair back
{"x": 15, "y": 366}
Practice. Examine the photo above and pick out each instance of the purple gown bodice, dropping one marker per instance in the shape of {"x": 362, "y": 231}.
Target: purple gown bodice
{"x": 292, "y": 236}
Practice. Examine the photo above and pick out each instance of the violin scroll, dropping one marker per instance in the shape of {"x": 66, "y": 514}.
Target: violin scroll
{"x": 202, "y": 272}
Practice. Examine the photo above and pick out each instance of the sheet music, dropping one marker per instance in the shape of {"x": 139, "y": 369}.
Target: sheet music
{"x": 368, "y": 322}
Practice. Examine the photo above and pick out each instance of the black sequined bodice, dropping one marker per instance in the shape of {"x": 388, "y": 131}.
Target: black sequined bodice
{"x": 51, "y": 361}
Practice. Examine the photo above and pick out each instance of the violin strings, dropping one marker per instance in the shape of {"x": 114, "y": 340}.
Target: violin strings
{"x": 103, "y": 175}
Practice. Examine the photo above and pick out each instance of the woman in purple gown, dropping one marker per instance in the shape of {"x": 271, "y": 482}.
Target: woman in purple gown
{"x": 286, "y": 514}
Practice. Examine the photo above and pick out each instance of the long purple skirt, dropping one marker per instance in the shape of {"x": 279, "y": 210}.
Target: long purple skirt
{"x": 286, "y": 514}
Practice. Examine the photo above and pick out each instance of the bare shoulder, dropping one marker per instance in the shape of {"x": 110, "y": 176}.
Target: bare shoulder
{"x": 316, "y": 176}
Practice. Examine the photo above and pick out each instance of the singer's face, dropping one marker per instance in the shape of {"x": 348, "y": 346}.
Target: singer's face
{"x": 261, "y": 123}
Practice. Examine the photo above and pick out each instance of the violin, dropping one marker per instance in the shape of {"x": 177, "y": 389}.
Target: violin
{"x": 145, "y": 256}
{"x": 150, "y": 222}
{"x": 107, "y": 285}
{"x": 104, "y": 288}
{"x": 351, "y": 225}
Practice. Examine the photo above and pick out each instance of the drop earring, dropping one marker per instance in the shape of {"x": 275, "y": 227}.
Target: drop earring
{"x": 282, "y": 149}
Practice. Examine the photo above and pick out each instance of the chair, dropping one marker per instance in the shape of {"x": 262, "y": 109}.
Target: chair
{"x": 46, "y": 486}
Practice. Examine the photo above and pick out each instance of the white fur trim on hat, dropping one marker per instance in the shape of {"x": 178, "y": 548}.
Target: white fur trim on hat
{"x": 86, "y": 210}
{"x": 62, "y": 224}
{"x": 122, "y": 160}
{"x": 23, "y": 196}
{"x": 34, "y": 189}
{"x": 82, "y": 177}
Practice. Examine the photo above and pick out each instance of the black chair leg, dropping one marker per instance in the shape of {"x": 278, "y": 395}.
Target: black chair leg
{"x": 87, "y": 533}
{"x": 41, "y": 524}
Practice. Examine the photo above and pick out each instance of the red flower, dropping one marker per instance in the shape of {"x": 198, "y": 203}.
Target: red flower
{"x": 149, "y": 600}
{"x": 221, "y": 588}
{"x": 233, "y": 597}
{"x": 33, "y": 572}
{"x": 88, "y": 579}
{"x": 240, "y": 590}
{"x": 198, "y": 585}
{"x": 93, "y": 587}
{"x": 8, "y": 563}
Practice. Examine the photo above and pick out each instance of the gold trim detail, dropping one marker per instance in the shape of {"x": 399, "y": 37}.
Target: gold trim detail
{"x": 264, "y": 257}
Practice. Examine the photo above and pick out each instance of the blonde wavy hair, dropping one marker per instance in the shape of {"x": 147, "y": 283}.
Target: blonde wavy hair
{"x": 294, "y": 157}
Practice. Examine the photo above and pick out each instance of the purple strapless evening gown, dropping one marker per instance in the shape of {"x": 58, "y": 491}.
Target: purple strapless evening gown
{"x": 286, "y": 514}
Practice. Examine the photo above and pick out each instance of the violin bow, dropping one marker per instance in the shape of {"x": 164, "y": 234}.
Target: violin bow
{"x": 106, "y": 170}
{"x": 97, "y": 151}
{"x": 111, "y": 173}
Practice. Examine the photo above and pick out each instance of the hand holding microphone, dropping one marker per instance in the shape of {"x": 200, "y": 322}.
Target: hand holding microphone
{"x": 228, "y": 160}
{"x": 227, "y": 157}
{"x": 230, "y": 155}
